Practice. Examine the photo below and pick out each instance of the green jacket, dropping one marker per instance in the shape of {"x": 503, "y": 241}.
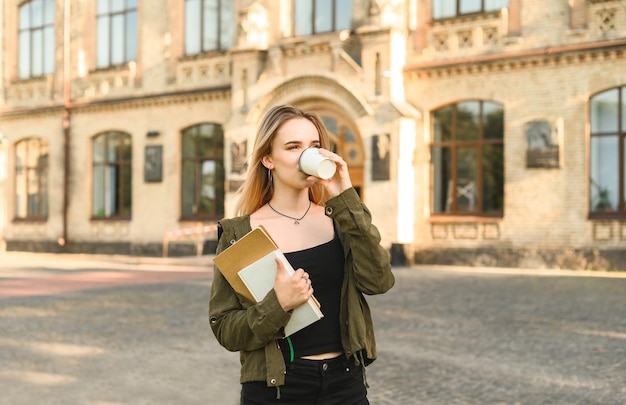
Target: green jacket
{"x": 253, "y": 330}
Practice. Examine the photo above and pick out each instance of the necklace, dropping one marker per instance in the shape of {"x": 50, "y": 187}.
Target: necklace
{"x": 296, "y": 220}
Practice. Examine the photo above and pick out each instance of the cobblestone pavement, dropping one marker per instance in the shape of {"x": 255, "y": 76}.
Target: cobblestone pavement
{"x": 124, "y": 332}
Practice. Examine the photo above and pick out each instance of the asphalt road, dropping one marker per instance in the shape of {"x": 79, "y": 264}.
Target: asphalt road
{"x": 97, "y": 331}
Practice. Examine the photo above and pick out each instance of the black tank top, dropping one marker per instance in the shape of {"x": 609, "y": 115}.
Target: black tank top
{"x": 324, "y": 263}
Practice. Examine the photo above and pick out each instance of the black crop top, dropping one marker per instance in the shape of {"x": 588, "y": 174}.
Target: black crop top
{"x": 324, "y": 263}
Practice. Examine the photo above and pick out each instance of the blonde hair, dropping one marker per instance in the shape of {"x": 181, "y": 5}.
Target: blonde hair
{"x": 257, "y": 188}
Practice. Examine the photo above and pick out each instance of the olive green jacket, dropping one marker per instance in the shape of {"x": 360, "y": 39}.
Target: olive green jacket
{"x": 253, "y": 329}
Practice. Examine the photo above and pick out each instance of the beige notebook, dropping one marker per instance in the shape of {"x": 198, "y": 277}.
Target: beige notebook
{"x": 249, "y": 266}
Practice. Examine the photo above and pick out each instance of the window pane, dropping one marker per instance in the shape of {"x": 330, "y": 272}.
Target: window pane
{"x": 48, "y": 17}
{"x": 125, "y": 148}
{"x": 444, "y": 8}
{"x": 623, "y": 104}
{"x": 323, "y": 16}
{"x": 126, "y": 189}
{"x": 24, "y": 55}
{"x": 49, "y": 50}
{"x": 442, "y": 124}
{"x": 604, "y": 173}
{"x": 210, "y": 27}
{"x": 302, "y": 11}
{"x": 208, "y": 192}
{"x": 98, "y": 191}
{"x": 493, "y": 178}
{"x": 604, "y": 111}
{"x": 25, "y": 17}
{"x": 493, "y": 121}
{"x": 343, "y": 15}
{"x": 192, "y": 27}
{"x": 470, "y": 6}
{"x": 20, "y": 191}
{"x": 467, "y": 179}
{"x": 131, "y": 36}
{"x": 111, "y": 207}
{"x": 103, "y": 7}
{"x": 188, "y": 188}
{"x": 227, "y": 24}
{"x": 103, "y": 42}
{"x": 467, "y": 120}
{"x": 32, "y": 192}
{"x": 37, "y": 53}
{"x": 131, "y": 4}
{"x": 491, "y": 5}
{"x": 36, "y": 16}
{"x": 117, "y": 5}
{"x": 112, "y": 147}
{"x": 117, "y": 40}
{"x": 98, "y": 149}
{"x": 442, "y": 167}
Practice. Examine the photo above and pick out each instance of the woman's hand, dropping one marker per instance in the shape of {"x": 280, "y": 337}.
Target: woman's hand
{"x": 291, "y": 291}
{"x": 340, "y": 182}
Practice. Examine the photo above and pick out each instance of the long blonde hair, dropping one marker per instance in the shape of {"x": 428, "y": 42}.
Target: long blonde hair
{"x": 257, "y": 188}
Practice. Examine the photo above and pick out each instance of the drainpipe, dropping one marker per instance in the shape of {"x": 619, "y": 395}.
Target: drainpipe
{"x": 66, "y": 119}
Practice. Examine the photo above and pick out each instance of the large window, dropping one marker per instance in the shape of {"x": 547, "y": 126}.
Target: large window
{"x": 36, "y": 39}
{"x": 467, "y": 156}
{"x": 203, "y": 172}
{"x": 209, "y": 25}
{"x": 454, "y": 8}
{"x": 112, "y": 175}
{"x": 117, "y": 32}
{"x": 607, "y": 175}
{"x": 319, "y": 16}
{"x": 31, "y": 179}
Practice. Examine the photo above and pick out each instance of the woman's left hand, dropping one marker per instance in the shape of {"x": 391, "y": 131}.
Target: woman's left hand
{"x": 340, "y": 182}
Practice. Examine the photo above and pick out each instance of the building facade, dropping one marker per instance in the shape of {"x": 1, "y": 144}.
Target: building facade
{"x": 482, "y": 132}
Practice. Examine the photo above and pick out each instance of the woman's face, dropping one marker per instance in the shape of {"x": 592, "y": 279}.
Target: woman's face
{"x": 291, "y": 139}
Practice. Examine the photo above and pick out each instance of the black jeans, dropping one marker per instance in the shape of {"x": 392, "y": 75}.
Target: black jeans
{"x": 312, "y": 382}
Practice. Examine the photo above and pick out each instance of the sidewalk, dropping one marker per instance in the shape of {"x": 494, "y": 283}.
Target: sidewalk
{"x": 75, "y": 261}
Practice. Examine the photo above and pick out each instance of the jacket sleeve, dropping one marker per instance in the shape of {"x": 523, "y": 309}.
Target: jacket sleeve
{"x": 361, "y": 239}
{"x": 240, "y": 325}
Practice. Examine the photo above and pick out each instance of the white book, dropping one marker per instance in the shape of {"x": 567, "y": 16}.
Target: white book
{"x": 259, "y": 277}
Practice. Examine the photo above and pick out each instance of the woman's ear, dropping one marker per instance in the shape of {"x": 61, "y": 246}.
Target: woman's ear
{"x": 267, "y": 162}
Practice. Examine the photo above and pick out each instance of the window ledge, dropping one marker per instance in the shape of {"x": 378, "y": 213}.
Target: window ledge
{"x": 456, "y": 219}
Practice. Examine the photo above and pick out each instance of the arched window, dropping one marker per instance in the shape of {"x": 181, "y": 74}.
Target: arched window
{"x": 117, "y": 32}
{"x": 36, "y": 39}
{"x": 203, "y": 175}
{"x": 467, "y": 156}
{"x": 112, "y": 175}
{"x": 607, "y": 166}
{"x": 209, "y": 25}
{"x": 31, "y": 179}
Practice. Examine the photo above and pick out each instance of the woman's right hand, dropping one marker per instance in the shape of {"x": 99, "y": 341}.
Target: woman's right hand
{"x": 291, "y": 291}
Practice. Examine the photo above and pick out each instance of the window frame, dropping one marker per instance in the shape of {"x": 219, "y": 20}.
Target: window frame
{"x": 197, "y": 161}
{"x": 313, "y": 5}
{"x": 224, "y": 40}
{"x": 108, "y": 16}
{"x": 41, "y": 172}
{"x": 45, "y": 30}
{"x": 620, "y": 133}
{"x": 453, "y": 145}
{"x": 458, "y": 13}
{"x": 123, "y": 166}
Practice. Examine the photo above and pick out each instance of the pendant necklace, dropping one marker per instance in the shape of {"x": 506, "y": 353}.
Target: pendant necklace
{"x": 296, "y": 220}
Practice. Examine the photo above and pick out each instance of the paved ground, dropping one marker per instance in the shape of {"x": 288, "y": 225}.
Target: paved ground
{"x": 115, "y": 330}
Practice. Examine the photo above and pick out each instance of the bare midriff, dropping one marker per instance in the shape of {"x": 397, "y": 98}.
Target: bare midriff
{"x": 322, "y": 356}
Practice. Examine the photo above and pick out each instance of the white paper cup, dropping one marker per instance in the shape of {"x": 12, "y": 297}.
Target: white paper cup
{"x": 313, "y": 163}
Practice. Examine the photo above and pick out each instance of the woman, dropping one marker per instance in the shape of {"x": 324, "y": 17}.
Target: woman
{"x": 327, "y": 235}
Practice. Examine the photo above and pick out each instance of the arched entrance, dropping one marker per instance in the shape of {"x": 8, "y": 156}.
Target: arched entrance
{"x": 346, "y": 140}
